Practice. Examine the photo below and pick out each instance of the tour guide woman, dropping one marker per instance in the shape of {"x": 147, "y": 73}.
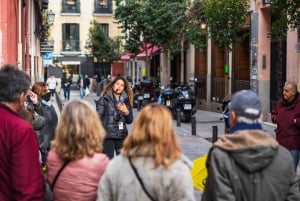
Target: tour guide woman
{"x": 115, "y": 110}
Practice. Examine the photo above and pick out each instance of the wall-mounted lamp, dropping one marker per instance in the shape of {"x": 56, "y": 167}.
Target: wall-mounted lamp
{"x": 51, "y": 16}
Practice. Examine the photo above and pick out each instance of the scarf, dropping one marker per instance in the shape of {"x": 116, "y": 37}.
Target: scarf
{"x": 244, "y": 126}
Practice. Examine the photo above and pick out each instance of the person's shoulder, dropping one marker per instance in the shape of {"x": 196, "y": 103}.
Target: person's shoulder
{"x": 284, "y": 153}
{"x": 117, "y": 162}
{"x": 21, "y": 129}
{"x": 183, "y": 161}
{"x": 52, "y": 156}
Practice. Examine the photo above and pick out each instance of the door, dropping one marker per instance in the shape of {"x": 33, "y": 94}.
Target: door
{"x": 241, "y": 63}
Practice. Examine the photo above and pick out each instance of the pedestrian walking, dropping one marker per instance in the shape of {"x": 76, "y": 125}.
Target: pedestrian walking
{"x": 153, "y": 165}
{"x": 286, "y": 114}
{"x": 78, "y": 146}
{"x": 249, "y": 164}
{"x": 104, "y": 82}
{"x": 20, "y": 169}
{"x": 66, "y": 83}
{"x": 82, "y": 86}
{"x": 51, "y": 82}
{"x": 94, "y": 86}
{"x": 87, "y": 83}
{"x": 115, "y": 111}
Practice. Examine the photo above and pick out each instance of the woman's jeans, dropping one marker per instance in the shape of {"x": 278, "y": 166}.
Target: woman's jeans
{"x": 295, "y": 155}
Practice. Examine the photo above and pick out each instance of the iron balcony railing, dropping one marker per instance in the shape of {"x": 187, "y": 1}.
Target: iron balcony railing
{"x": 46, "y": 47}
{"x": 70, "y": 6}
{"x": 71, "y": 45}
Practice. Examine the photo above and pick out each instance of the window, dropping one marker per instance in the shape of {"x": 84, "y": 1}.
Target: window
{"x": 105, "y": 29}
{"x": 103, "y": 6}
{"x": 70, "y": 6}
{"x": 70, "y": 36}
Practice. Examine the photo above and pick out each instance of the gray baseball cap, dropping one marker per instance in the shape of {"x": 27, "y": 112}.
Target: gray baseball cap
{"x": 246, "y": 104}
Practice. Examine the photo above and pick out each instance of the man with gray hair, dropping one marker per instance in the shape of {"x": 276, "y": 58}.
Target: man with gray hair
{"x": 286, "y": 114}
{"x": 249, "y": 164}
{"x": 20, "y": 168}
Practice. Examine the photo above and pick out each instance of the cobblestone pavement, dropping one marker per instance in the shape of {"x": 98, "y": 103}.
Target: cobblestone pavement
{"x": 193, "y": 146}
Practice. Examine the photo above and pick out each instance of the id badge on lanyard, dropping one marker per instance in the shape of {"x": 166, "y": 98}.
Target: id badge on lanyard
{"x": 121, "y": 126}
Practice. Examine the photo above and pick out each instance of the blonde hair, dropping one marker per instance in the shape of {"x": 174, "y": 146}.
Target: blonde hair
{"x": 79, "y": 132}
{"x": 153, "y": 134}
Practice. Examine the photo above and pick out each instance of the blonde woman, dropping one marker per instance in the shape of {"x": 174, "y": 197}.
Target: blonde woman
{"x": 151, "y": 165}
{"x": 78, "y": 139}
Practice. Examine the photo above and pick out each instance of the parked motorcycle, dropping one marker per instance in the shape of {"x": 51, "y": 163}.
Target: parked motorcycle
{"x": 225, "y": 115}
{"x": 168, "y": 97}
{"x": 184, "y": 103}
{"x": 136, "y": 88}
{"x": 147, "y": 94}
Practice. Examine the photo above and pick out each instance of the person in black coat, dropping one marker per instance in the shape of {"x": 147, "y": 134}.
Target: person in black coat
{"x": 115, "y": 111}
{"x": 66, "y": 83}
{"x": 48, "y": 112}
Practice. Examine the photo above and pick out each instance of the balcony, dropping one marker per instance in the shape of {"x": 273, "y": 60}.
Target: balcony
{"x": 103, "y": 7}
{"x": 71, "y": 45}
{"x": 70, "y": 6}
{"x": 46, "y": 47}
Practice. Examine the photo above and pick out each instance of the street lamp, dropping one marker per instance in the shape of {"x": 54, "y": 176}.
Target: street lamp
{"x": 51, "y": 16}
{"x": 203, "y": 25}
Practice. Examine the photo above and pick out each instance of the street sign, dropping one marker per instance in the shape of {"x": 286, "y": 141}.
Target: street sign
{"x": 47, "y": 59}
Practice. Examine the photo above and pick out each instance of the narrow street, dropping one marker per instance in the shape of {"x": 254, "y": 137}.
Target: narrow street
{"x": 193, "y": 146}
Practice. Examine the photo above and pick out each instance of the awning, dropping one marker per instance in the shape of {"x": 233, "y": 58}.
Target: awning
{"x": 126, "y": 57}
{"x": 150, "y": 50}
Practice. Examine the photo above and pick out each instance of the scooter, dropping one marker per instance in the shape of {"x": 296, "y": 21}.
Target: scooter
{"x": 184, "y": 103}
{"x": 168, "y": 96}
{"x": 136, "y": 88}
{"x": 147, "y": 94}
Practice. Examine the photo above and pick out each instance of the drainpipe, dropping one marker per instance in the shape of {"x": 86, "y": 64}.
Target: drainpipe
{"x": 254, "y": 50}
{"x": 27, "y": 37}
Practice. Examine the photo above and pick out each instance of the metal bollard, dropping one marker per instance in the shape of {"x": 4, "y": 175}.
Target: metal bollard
{"x": 215, "y": 134}
{"x": 193, "y": 121}
{"x": 178, "y": 117}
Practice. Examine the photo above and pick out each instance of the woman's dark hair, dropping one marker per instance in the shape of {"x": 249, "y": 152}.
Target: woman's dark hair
{"x": 127, "y": 88}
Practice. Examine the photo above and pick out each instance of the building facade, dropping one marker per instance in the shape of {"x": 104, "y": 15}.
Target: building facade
{"x": 70, "y": 34}
{"x": 20, "y": 34}
{"x": 255, "y": 63}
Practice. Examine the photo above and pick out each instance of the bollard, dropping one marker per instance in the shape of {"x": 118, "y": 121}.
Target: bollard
{"x": 215, "y": 134}
{"x": 178, "y": 117}
{"x": 193, "y": 121}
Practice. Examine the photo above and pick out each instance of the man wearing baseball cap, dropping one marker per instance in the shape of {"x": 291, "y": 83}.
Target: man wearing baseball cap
{"x": 249, "y": 164}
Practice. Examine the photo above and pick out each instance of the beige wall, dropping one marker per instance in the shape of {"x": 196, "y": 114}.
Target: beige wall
{"x": 83, "y": 18}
